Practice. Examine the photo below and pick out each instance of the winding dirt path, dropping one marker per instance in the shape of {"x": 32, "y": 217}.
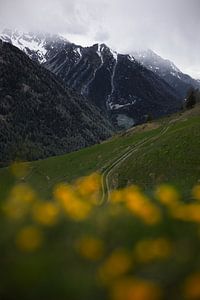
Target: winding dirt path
{"x": 118, "y": 161}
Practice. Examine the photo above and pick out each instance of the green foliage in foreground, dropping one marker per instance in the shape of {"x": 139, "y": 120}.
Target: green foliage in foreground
{"x": 56, "y": 243}
{"x": 133, "y": 248}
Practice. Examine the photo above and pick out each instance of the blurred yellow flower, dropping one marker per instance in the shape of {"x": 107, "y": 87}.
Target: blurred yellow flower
{"x": 19, "y": 170}
{"x": 187, "y": 212}
{"x": 135, "y": 289}
{"x": 63, "y": 193}
{"x": 23, "y": 193}
{"x": 117, "y": 264}
{"x": 117, "y": 196}
{"x": 19, "y": 202}
{"x": 90, "y": 248}
{"x": 29, "y": 239}
{"x": 167, "y": 194}
{"x": 196, "y": 192}
{"x": 141, "y": 206}
{"x": 46, "y": 213}
{"x": 132, "y": 189}
{"x": 89, "y": 184}
{"x": 152, "y": 249}
{"x": 191, "y": 288}
{"x": 76, "y": 208}
{"x": 15, "y": 210}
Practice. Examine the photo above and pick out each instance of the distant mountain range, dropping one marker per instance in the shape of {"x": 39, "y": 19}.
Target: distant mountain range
{"x": 58, "y": 97}
{"x": 168, "y": 71}
{"x": 122, "y": 86}
{"x": 116, "y": 83}
{"x": 39, "y": 117}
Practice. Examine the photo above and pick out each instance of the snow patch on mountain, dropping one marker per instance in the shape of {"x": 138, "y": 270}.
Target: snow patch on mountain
{"x": 118, "y": 106}
{"x": 26, "y": 42}
{"x": 35, "y": 45}
{"x": 166, "y": 70}
{"x": 78, "y": 50}
{"x": 112, "y": 84}
{"x": 131, "y": 58}
{"x": 114, "y": 54}
{"x": 99, "y": 53}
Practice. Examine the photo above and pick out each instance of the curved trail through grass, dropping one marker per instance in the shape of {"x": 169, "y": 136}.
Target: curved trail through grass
{"x": 128, "y": 152}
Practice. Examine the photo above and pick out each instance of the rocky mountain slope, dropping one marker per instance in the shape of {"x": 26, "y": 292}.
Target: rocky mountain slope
{"x": 38, "y": 116}
{"x": 168, "y": 71}
{"x": 38, "y": 46}
{"x": 116, "y": 83}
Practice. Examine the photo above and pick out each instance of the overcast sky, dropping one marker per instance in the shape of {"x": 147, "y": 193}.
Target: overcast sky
{"x": 169, "y": 27}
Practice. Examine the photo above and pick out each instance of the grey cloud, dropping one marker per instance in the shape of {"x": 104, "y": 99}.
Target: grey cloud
{"x": 169, "y": 27}
{"x": 101, "y": 35}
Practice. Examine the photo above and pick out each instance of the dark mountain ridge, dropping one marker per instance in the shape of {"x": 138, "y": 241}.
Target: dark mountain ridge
{"x": 116, "y": 83}
{"x": 39, "y": 117}
{"x": 168, "y": 71}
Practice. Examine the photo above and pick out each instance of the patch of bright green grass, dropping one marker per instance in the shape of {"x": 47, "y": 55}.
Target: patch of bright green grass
{"x": 43, "y": 175}
{"x": 173, "y": 158}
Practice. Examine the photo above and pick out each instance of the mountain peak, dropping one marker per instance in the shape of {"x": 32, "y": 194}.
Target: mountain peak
{"x": 47, "y": 117}
{"x": 167, "y": 70}
{"x": 116, "y": 83}
{"x": 35, "y": 44}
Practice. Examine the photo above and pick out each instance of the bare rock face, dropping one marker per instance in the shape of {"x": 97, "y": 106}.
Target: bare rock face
{"x": 116, "y": 83}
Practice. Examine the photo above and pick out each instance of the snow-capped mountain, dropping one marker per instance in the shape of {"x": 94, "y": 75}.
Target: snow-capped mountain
{"x": 116, "y": 83}
{"x": 167, "y": 70}
{"x": 39, "y": 116}
{"x": 123, "y": 88}
{"x": 38, "y": 46}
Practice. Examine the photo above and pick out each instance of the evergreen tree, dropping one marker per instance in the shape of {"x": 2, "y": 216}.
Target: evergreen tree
{"x": 191, "y": 99}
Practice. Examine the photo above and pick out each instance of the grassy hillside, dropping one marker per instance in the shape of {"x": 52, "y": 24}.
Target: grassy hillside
{"x": 71, "y": 248}
{"x": 170, "y": 154}
{"x": 44, "y": 174}
{"x": 173, "y": 158}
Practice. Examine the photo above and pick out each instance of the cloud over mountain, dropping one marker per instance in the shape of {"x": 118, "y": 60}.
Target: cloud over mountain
{"x": 168, "y": 27}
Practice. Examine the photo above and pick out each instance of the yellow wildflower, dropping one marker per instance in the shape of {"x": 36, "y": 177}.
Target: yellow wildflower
{"x": 29, "y": 239}
{"x": 151, "y": 249}
{"x": 64, "y": 193}
{"x": 192, "y": 287}
{"x": 19, "y": 170}
{"x": 167, "y": 194}
{"x": 117, "y": 264}
{"x": 19, "y": 202}
{"x": 76, "y": 208}
{"x": 117, "y": 196}
{"x": 196, "y": 192}
{"x": 23, "y": 193}
{"x": 88, "y": 185}
{"x": 90, "y": 248}
{"x": 135, "y": 289}
{"x": 46, "y": 213}
{"x": 187, "y": 212}
{"x": 140, "y": 205}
